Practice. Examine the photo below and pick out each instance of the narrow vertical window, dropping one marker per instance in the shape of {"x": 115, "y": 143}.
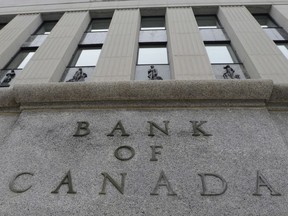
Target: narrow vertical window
{"x": 88, "y": 52}
{"x": 36, "y": 39}
{"x": 21, "y": 59}
{"x": 96, "y": 32}
{"x": 224, "y": 62}
{"x": 274, "y": 32}
{"x": 152, "y": 62}
{"x": 82, "y": 64}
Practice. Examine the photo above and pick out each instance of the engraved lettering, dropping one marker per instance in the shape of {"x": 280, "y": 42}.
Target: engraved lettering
{"x": 205, "y": 192}
{"x": 82, "y": 129}
{"x": 163, "y": 181}
{"x": 262, "y": 182}
{"x": 67, "y": 180}
{"x": 153, "y": 124}
{"x": 120, "y": 127}
{"x": 119, "y": 155}
{"x": 197, "y": 128}
{"x": 154, "y": 152}
{"x": 120, "y": 188}
{"x": 12, "y": 183}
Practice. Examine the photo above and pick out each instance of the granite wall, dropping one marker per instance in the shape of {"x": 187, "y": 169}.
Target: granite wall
{"x": 188, "y": 161}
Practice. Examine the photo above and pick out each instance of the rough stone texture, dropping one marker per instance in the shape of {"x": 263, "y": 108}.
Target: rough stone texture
{"x": 145, "y": 90}
{"x": 7, "y": 121}
{"x": 279, "y": 93}
{"x": 242, "y": 142}
{"x": 281, "y": 119}
{"x": 7, "y": 98}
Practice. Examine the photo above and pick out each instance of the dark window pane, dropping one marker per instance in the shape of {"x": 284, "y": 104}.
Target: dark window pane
{"x": 46, "y": 28}
{"x": 2, "y": 25}
{"x": 265, "y": 21}
{"x": 207, "y": 22}
{"x": 97, "y": 25}
{"x": 153, "y": 23}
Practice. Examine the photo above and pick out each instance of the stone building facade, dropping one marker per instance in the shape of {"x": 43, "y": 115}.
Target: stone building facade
{"x": 144, "y": 107}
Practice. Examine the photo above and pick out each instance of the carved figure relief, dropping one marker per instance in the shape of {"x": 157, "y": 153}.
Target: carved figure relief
{"x": 230, "y": 73}
{"x": 153, "y": 74}
{"x": 79, "y": 76}
{"x": 8, "y": 77}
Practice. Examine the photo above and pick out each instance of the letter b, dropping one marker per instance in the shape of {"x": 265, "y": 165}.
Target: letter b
{"x": 82, "y": 129}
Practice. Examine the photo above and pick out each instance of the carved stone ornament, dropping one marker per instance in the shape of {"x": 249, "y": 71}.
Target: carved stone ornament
{"x": 8, "y": 77}
{"x": 229, "y": 73}
{"x": 79, "y": 76}
{"x": 153, "y": 74}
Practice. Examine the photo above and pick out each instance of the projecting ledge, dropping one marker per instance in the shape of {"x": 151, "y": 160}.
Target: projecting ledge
{"x": 7, "y": 98}
{"x": 220, "y": 90}
{"x": 279, "y": 97}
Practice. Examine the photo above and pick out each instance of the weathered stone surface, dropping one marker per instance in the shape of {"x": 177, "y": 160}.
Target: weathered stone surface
{"x": 281, "y": 118}
{"x": 6, "y": 126}
{"x": 279, "y": 93}
{"x": 7, "y": 98}
{"x": 145, "y": 90}
{"x": 243, "y": 141}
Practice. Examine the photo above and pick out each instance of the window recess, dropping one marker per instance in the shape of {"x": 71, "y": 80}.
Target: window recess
{"x": 96, "y": 32}
{"x": 274, "y": 32}
{"x": 82, "y": 64}
{"x": 224, "y": 62}
{"x": 210, "y": 28}
{"x": 152, "y": 61}
{"x": 37, "y": 39}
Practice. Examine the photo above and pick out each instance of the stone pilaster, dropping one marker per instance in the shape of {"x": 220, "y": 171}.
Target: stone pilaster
{"x": 259, "y": 54}
{"x": 280, "y": 14}
{"x": 15, "y": 33}
{"x": 117, "y": 60}
{"x": 52, "y": 57}
{"x": 187, "y": 54}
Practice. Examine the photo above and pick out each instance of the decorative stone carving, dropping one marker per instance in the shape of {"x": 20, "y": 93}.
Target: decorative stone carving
{"x": 79, "y": 76}
{"x": 8, "y": 77}
{"x": 153, "y": 74}
{"x": 229, "y": 73}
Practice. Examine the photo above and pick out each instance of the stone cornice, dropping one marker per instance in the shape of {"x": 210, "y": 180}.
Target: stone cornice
{"x": 138, "y": 93}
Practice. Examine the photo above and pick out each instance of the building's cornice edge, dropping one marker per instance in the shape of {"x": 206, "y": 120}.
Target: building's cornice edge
{"x": 138, "y": 93}
{"x": 98, "y": 5}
